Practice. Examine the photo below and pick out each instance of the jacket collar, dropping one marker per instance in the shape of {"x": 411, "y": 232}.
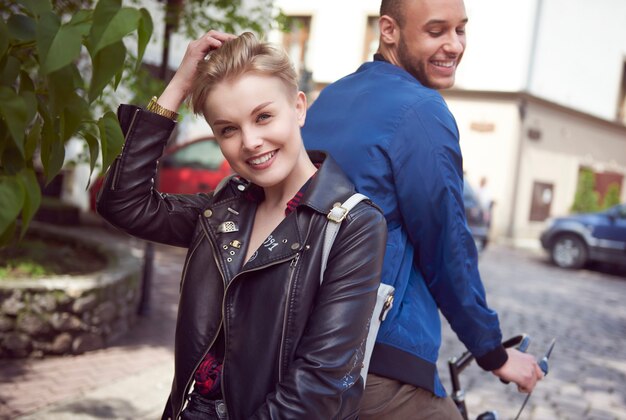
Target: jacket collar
{"x": 329, "y": 186}
{"x": 319, "y": 196}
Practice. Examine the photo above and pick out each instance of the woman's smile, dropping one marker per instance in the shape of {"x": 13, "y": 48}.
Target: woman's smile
{"x": 262, "y": 161}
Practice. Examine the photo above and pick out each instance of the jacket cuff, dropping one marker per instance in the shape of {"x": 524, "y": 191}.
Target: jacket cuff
{"x": 493, "y": 359}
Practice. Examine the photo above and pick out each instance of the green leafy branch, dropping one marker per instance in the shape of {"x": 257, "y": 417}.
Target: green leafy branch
{"x": 45, "y": 98}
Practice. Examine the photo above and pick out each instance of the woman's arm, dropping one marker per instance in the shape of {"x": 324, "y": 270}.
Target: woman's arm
{"x": 128, "y": 199}
{"x": 329, "y": 356}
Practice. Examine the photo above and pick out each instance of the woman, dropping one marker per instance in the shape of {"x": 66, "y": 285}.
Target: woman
{"x": 257, "y": 334}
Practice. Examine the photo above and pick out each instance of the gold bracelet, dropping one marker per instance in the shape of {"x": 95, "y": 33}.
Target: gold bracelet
{"x": 153, "y": 106}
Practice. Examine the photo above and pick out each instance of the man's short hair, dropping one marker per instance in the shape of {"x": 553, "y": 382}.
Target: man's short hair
{"x": 394, "y": 9}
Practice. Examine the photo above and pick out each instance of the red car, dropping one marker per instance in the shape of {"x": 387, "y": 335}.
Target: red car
{"x": 196, "y": 166}
{"x": 187, "y": 168}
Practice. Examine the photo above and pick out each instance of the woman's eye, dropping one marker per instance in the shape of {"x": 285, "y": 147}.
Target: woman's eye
{"x": 263, "y": 117}
{"x": 227, "y": 130}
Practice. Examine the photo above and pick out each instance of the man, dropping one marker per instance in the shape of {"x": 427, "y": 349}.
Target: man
{"x": 394, "y": 136}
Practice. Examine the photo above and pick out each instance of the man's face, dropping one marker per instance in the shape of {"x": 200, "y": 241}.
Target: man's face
{"x": 432, "y": 40}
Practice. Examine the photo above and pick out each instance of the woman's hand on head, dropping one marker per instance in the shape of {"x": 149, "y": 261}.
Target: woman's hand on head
{"x": 178, "y": 88}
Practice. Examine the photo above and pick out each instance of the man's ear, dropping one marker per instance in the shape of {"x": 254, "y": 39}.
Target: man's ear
{"x": 389, "y": 30}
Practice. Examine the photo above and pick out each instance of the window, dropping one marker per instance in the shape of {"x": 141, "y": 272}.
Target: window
{"x": 296, "y": 42}
{"x": 371, "y": 38}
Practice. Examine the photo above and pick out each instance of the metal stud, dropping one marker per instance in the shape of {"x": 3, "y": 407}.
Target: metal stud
{"x": 235, "y": 243}
{"x": 307, "y": 247}
{"x": 295, "y": 246}
{"x": 241, "y": 187}
{"x": 208, "y": 213}
{"x": 284, "y": 241}
{"x": 225, "y": 246}
{"x": 232, "y": 252}
{"x": 229, "y": 259}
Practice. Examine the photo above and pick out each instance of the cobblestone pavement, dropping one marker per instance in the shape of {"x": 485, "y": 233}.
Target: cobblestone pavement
{"x": 28, "y": 386}
{"x": 584, "y": 310}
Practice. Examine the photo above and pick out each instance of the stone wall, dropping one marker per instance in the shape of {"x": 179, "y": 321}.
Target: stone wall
{"x": 70, "y": 314}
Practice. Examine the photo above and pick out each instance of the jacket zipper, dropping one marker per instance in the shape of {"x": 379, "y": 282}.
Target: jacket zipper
{"x": 219, "y": 268}
{"x": 273, "y": 263}
{"x": 119, "y": 161}
{"x": 222, "y": 323}
{"x": 292, "y": 265}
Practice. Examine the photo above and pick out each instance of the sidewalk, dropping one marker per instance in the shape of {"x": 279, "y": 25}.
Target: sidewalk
{"x": 129, "y": 379}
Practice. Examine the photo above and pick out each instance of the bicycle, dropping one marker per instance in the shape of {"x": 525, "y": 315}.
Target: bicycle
{"x": 458, "y": 364}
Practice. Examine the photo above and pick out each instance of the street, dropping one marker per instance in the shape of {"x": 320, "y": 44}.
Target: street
{"x": 583, "y": 310}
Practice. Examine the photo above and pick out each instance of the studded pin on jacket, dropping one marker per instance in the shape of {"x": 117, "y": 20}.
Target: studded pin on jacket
{"x": 292, "y": 348}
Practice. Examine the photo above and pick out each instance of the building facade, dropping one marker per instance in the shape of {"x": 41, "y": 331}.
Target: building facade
{"x": 539, "y": 97}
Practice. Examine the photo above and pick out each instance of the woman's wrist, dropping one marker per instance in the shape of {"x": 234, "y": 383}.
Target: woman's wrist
{"x": 174, "y": 95}
{"x": 155, "y": 107}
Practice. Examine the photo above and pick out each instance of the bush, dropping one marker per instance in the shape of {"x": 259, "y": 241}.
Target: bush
{"x": 612, "y": 196}
{"x": 586, "y": 199}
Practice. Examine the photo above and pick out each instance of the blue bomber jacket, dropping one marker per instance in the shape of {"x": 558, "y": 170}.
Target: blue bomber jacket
{"x": 399, "y": 144}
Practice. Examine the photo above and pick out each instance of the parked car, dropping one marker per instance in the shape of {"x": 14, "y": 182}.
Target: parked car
{"x": 477, "y": 217}
{"x": 577, "y": 239}
{"x": 186, "y": 168}
{"x": 192, "y": 167}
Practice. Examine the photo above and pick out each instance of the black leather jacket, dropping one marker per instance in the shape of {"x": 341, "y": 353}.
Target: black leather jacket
{"x": 292, "y": 348}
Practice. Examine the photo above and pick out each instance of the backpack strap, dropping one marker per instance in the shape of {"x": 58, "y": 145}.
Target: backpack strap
{"x": 335, "y": 217}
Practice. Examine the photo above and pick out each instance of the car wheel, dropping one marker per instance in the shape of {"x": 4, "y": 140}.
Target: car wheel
{"x": 569, "y": 251}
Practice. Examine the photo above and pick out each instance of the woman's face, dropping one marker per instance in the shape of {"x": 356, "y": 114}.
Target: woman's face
{"x": 256, "y": 121}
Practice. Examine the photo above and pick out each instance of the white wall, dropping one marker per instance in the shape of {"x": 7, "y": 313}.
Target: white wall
{"x": 580, "y": 54}
{"x": 499, "y": 34}
{"x": 337, "y": 37}
{"x": 490, "y": 154}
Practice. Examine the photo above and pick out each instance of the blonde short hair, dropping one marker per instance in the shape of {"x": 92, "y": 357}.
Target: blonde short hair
{"x": 236, "y": 57}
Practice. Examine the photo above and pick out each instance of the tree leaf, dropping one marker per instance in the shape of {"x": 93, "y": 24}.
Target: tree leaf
{"x": 124, "y": 22}
{"x": 52, "y": 150}
{"x": 71, "y": 118}
{"x": 32, "y": 140}
{"x": 111, "y": 138}
{"x": 144, "y": 31}
{"x": 32, "y": 197}
{"x": 12, "y": 159}
{"x": 107, "y": 63}
{"x": 31, "y": 105}
{"x": 82, "y": 21}
{"x": 13, "y": 111}
{"x": 94, "y": 150}
{"x": 12, "y": 199}
{"x": 103, "y": 14}
{"x": 10, "y": 71}
{"x": 22, "y": 27}
{"x": 47, "y": 29}
{"x": 64, "y": 49}
{"x": 4, "y": 38}
{"x": 61, "y": 89}
{"x": 36, "y": 7}
{"x": 7, "y": 236}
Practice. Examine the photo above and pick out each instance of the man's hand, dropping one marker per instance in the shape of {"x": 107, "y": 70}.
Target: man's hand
{"x": 178, "y": 88}
{"x": 522, "y": 369}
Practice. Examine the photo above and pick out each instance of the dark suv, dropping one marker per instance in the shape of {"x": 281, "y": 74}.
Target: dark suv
{"x": 575, "y": 240}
